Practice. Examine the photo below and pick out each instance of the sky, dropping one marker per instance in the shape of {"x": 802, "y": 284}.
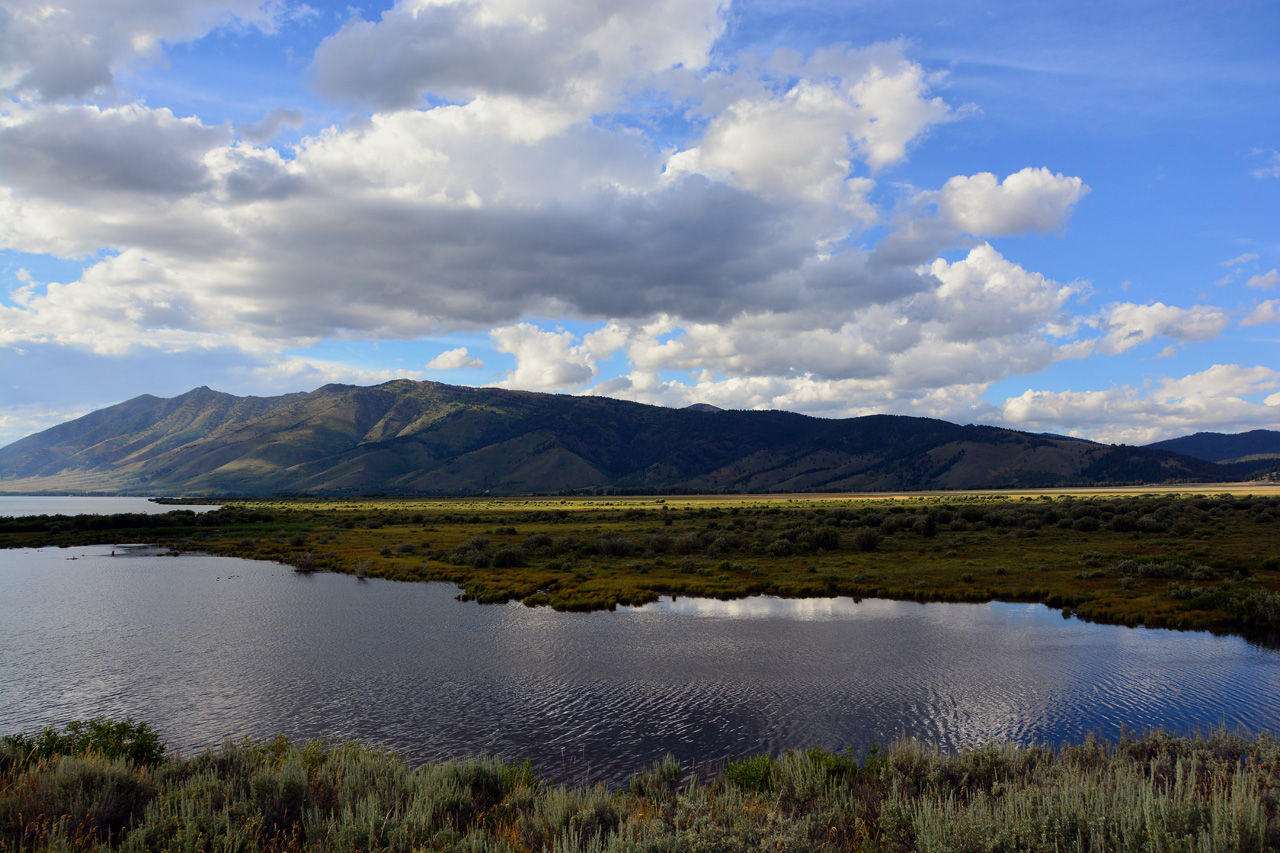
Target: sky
{"x": 1056, "y": 217}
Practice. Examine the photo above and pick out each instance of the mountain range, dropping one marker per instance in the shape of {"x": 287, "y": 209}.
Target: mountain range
{"x": 408, "y": 437}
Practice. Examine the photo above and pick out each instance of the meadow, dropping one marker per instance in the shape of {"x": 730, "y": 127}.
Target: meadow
{"x": 109, "y": 785}
{"x": 1182, "y": 560}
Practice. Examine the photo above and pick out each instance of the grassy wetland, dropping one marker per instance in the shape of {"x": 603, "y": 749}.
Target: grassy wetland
{"x": 1181, "y": 560}
{"x": 111, "y": 786}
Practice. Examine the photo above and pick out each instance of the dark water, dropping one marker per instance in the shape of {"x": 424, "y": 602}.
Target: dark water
{"x": 205, "y": 648}
{"x": 11, "y": 505}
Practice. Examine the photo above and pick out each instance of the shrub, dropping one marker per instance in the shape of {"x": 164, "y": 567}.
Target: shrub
{"x": 780, "y": 548}
{"x": 538, "y": 540}
{"x": 614, "y": 546}
{"x": 660, "y": 782}
{"x": 825, "y": 539}
{"x": 111, "y": 739}
{"x": 508, "y": 558}
{"x": 866, "y": 539}
{"x": 752, "y": 774}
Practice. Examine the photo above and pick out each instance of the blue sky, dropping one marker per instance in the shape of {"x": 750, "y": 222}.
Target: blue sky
{"x": 1055, "y": 216}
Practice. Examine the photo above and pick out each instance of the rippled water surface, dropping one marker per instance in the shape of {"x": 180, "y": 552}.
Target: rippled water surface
{"x": 11, "y": 505}
{"x": 205, "y": 648}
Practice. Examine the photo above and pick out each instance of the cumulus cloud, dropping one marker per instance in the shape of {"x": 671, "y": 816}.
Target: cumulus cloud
{"x": 1127, "y": 324}
{"x": 1029, "y": 200}
{"x": 545, "y": 361}
{"x": 413, "y": 223}
{"x": 1213, "y": 399}
{"x": 73, "y": 154}
{"x": 986, "y": 296}
{"x": 734, "y": 259}
{"x": 454, "y": 359}
{"x": 573, "y": 53}
{"x": 73, "y": 48}
{"x": 801, "y": 139}
{"x": 910, "y": 355}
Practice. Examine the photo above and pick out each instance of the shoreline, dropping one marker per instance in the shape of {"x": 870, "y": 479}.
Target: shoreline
{"x": 1180, "y": 561}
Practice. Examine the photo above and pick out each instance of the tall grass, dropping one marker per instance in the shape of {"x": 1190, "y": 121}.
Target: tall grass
{"x": 1156, "y": 792}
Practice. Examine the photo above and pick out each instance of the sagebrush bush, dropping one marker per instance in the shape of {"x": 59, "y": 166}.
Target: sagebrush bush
{"x": 1149, "y": 792}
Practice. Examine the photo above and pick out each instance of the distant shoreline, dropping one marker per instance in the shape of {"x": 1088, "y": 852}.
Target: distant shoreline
{"x": 1170, "y": 560}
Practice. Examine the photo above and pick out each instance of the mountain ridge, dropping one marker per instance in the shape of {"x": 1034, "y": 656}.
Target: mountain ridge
{"x": 1256, "y": 444}
{"x": 406, "y": 436}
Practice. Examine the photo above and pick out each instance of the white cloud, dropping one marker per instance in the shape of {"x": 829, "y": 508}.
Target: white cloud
{"x": 288, "y": 373}
{"x": 1272, "y": 168}
{"x": 1212, "y": 399}
{"x": 570, "y": 55}
{"x": 1029, "y": 200}
{"x": 1239, "y": 259}
{"x": 985, "y": 296}
{"x": 74, "y": 48}
{"x": 81, "y": 154}
{"x": 410, "y": 224}
{"x": 1267, "y": 312}
{"x": 545, "y": 361}
{"x": 985, "y": 319}
{"x": 1126, "y": 325}
{"x": 801, "y": 138}
{"x": 454, "y": 359}
{"x": 735, "y": 261}
{"x": 1264, "y": 281}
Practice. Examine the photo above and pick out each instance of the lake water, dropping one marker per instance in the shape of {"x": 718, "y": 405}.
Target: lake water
{"x": 13, "y": 505}
{"x": 206, "y": 648}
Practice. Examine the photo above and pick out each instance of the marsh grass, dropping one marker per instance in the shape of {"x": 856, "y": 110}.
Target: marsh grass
{"x": 1109, "y": 558}
{"x": 1219, "y": 792}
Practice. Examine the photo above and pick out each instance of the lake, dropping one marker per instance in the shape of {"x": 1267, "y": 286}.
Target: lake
{"x": 206, "y": 648}
{"x": 15, "y": 505}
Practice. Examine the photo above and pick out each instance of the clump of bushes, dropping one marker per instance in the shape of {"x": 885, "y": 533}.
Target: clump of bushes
{"x": 110, "y": 739}
{"x": 1154, "y": 792}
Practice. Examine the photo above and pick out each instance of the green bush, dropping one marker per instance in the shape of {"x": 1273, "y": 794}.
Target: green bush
{"x": 110, "y": 739}
{"x": 752, "y": 774}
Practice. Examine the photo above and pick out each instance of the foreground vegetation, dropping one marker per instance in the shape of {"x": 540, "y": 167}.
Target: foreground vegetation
{"x": 1187, "y": 561}
{"x": 73, "y": 791}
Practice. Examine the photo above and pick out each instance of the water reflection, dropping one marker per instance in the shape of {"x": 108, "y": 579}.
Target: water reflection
{"x": 769, "y": 607}
{"x": 207, "y": 648}
{"x": 15, "y": 505}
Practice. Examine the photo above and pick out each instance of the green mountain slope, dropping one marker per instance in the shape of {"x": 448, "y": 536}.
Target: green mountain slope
{"x": 426, "y": 437}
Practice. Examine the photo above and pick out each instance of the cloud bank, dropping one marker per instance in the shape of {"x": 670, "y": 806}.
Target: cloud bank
{"x": 733, "y": 228}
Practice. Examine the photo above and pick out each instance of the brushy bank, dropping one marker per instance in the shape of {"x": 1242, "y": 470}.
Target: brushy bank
{"x": 1156, "y": 792}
